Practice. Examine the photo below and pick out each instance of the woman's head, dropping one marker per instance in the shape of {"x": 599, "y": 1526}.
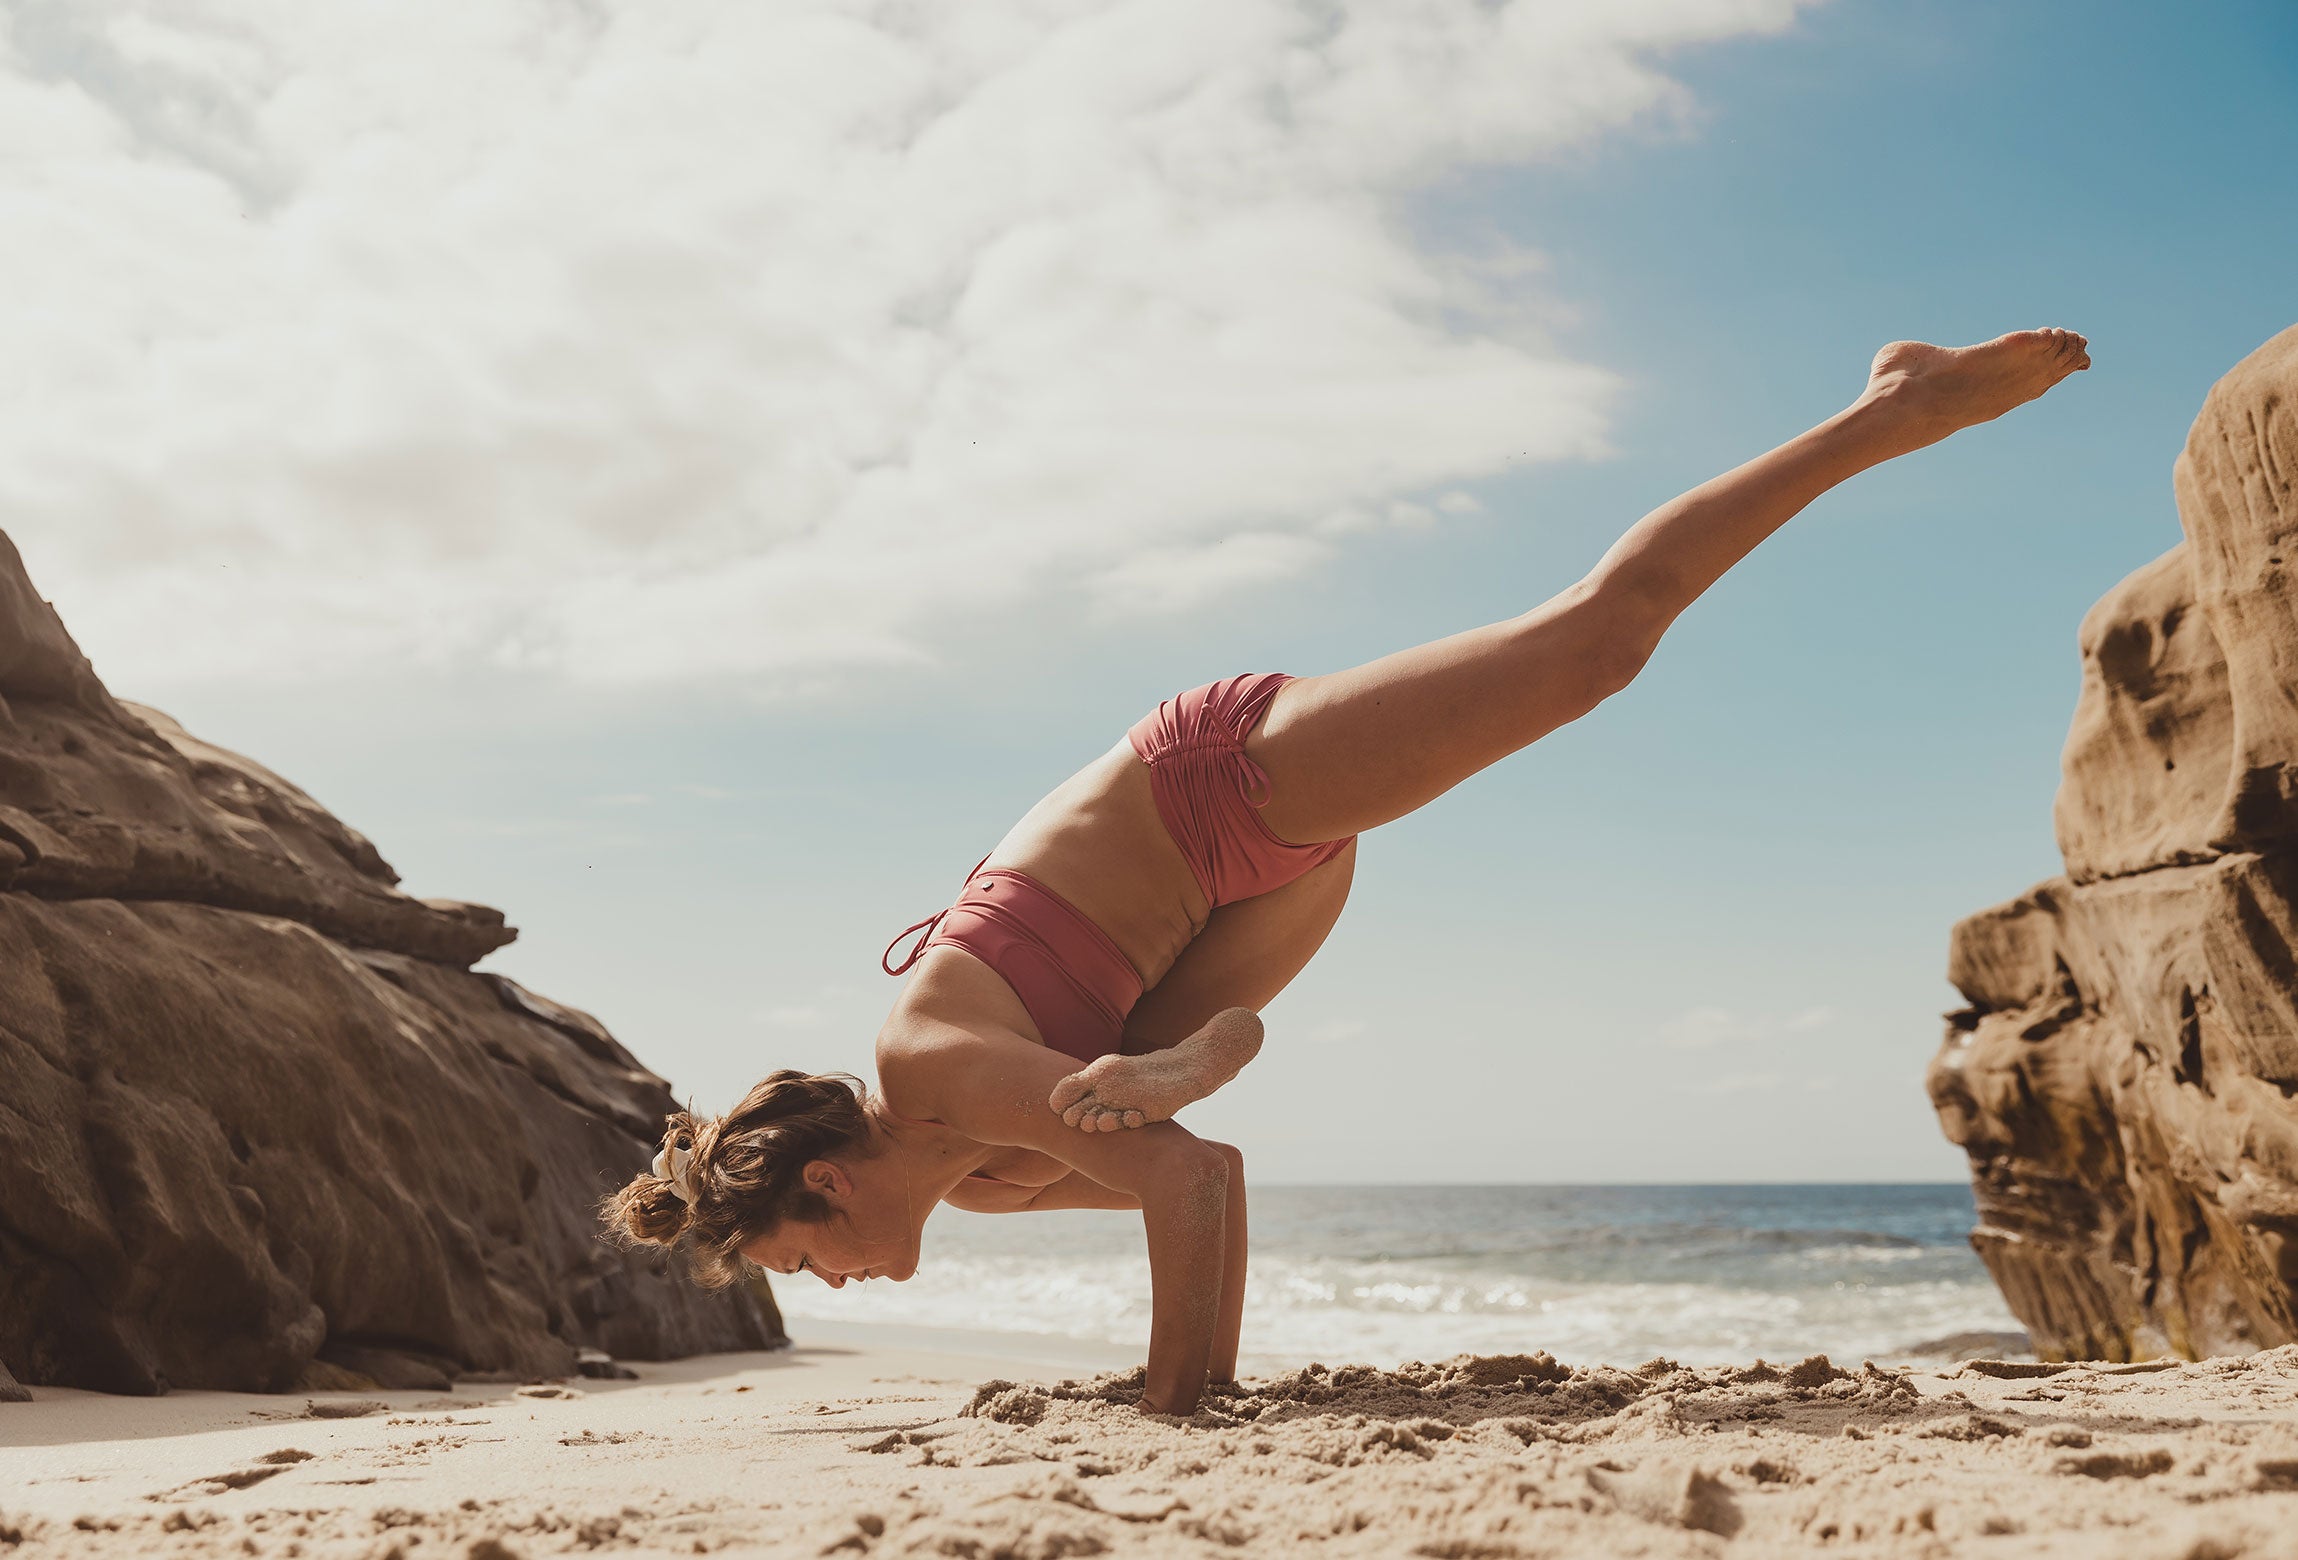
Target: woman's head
{"x": 790, "y": 1167}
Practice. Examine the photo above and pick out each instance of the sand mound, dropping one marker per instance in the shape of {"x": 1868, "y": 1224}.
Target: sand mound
{"x": 1486, "y": 1458}
{"x": 1497, "y": 1458}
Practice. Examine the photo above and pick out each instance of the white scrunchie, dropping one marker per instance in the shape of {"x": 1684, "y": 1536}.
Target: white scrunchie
{"x": 676, "y": 1165}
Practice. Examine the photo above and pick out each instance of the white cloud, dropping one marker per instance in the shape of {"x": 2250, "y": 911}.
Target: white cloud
{"x": 1741, "y": 1083}
{"x": 630, "y": 342}
{"x": 1697, "y": 1028}
{"x": 832, "y": 1006}
{"x": 1705, "y": 1026}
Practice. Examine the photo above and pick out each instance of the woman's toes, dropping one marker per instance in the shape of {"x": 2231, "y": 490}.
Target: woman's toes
{"x": 1069, "y": 1091}
{"x": 1134, "y": 1118}
{"x": 1076, "y": 1115}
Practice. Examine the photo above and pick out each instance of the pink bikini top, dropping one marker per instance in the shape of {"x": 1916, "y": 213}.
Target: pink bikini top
{"x": 1076, "y": 984}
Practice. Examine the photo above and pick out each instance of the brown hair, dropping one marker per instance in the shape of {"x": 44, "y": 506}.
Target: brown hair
{"x": 746, "y": 1172}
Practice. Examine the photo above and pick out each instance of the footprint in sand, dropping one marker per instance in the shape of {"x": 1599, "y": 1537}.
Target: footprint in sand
{"x": 343, "y": 1408}
{"x": 269, "y": 1466}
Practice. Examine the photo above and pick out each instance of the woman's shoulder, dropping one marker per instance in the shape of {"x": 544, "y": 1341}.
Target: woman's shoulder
{"x": 921, "y": 1046}
{"x": 906, "y": 1070}
{"x": 953, "y": 990}
{"x": 919, "y": 1035}
{"x": 952, "y": 999}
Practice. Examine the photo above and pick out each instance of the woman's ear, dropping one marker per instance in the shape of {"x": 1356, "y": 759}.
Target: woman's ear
{"x": 827, "y": 1180}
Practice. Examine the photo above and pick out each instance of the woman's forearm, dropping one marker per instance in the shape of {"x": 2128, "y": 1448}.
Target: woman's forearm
{"x": 1231, "y": 1321}
{"x": 1185, "y": 1210}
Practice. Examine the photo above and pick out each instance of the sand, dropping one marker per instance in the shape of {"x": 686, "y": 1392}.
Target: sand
{"x": 878, "y": 1443}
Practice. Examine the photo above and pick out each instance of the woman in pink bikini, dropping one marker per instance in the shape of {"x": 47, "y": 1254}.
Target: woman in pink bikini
{"x": 1104, "y": 965}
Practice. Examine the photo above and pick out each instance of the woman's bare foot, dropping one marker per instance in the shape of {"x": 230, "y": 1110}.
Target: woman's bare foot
{"x": 1116, "y": 1092}
{"x": 1934, "y": 391}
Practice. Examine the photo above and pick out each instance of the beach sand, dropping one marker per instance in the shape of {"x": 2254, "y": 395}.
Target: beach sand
{"x": 878, "y": 1442}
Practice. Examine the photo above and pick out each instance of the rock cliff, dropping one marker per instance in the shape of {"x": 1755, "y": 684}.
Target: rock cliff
{"x": 2125, "y": 1078}
{"x": 261, "y": 1125}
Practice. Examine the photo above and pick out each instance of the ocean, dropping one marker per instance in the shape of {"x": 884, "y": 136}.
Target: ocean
{"x": 1384, "y": 1274}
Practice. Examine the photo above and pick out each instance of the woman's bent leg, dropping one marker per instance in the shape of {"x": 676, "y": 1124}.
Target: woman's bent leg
{"x": 1247, "y": 953}
{"x": 1355, "y": 749}
{"x": 1197, "y": 1027}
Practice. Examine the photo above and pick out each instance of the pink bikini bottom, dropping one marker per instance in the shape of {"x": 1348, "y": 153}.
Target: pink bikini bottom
{"x": 1077, "y": 984}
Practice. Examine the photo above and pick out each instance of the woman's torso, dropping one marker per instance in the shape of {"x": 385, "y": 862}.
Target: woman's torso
{"x": 1097, "y": 841}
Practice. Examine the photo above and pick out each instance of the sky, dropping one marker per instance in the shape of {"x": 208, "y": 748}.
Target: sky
{"x": 693, "y": 476}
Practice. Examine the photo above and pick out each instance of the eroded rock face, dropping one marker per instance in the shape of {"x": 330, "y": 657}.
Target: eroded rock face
{"x": 2125, "y": 1078}
{"x": 262, "y": 1127}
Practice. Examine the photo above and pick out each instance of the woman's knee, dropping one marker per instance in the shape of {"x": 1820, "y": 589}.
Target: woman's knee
{"x": 1611, "y": 628}
{"x": 1618, "y": 664}
{"x": 1232, "y": 1155}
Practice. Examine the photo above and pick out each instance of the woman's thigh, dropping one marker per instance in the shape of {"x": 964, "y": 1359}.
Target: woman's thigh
{"x": 1352, "y": 750}
{"x": 1247, "y": 953}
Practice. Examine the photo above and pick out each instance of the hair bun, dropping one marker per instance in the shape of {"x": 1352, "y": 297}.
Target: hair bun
{"x": 725, "y": 1182}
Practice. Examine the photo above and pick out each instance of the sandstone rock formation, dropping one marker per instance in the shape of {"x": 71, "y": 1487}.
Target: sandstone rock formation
{"x": 2125, "y": 1078}
{"x": 261, "y": 1126}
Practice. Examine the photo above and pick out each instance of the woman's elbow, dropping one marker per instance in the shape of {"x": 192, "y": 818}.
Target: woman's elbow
{"x": 1232, "y": 1157}
{"x": 1196, "y": 1170}
{"x": 1598, "y": 634}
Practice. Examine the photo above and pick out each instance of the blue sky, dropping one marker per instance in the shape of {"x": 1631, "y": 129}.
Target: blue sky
{"x": 1697, "y": 936}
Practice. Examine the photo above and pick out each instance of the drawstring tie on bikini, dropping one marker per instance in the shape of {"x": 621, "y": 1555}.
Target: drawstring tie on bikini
{"x": 923, "y": 931}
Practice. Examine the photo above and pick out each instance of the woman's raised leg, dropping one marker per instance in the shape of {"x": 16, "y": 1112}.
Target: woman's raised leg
{"x": 1352, "y": 750}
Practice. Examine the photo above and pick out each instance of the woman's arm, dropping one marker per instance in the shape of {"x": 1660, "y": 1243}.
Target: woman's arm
{"x": 1231, "y": 1323}
{"x": 993, "y": 1088}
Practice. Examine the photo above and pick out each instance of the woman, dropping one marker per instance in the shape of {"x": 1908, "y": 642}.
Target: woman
{"x": 1138, "y": 917}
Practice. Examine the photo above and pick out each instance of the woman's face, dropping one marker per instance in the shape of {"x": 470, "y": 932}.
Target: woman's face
{"x": 872, "y": 1230}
